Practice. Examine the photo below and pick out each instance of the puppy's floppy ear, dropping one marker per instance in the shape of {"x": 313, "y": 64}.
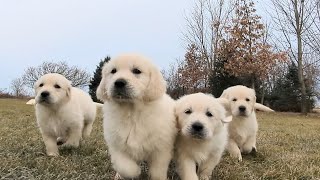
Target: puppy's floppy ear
{"x": 227, "y": 119}
{"x": 101, "y": 90}
{"x": 225, "y": 94}
{"x": 225, "y": 103}
{"x": 68, "y": 90}
{"x": 176, "y": 117}
{"x": 156, "y": 87}
{"x": 254, "y": 94}
{"x": 35, "y": 86}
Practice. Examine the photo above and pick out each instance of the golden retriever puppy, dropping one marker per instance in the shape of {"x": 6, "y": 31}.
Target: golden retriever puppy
{"x": 243, "y": 128}
{"x": 139, "y": 122}
{"x": 202, "y": 137}
{"x": 64, "y": 114}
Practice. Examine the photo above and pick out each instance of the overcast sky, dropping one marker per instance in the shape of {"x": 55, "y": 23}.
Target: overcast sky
{"x": 82, "y": 32}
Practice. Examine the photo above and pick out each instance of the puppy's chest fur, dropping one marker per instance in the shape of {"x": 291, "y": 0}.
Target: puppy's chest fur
{"x": 240, "y": 128}
{"x": 198, "y": 150}
{"x": 56, "y": 124}
{"x": 136, "y": 131}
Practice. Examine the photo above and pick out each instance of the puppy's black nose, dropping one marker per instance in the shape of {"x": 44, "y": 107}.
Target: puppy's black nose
{"x": 197, "y": 126}
{"x": 120, "y": 83}
{"x": 242, "y": 108}
{"x": 45, "y": 94}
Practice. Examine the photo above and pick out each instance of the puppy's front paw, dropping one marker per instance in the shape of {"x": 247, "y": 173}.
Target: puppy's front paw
{"x": 117, "y": 177}
{"x": 237, "y": 156}
{"x": 254, "y": 150}
{"x": 71, "y": 144}
{"x": 204, "y": 177}
{"x": 60, "y": 141}
{"x": 53, "y": 154}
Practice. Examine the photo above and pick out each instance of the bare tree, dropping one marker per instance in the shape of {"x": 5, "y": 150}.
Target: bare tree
{"x": 18, "y": 87}
{"x": 312, "y": 38}
{"x": 205, "y": 27}
{"x": 77, "y": 76}
{"x": 293, "y": 18}
{"x": 171, "y": 75}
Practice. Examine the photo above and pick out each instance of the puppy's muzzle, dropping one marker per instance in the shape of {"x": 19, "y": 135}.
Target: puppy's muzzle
{"x": 121, "y": 89}
{"x": 197, "y": 130}
{"x": 120, "y": 84}
{"x": 45, "y": 96}
{"x": 242, "y": 110}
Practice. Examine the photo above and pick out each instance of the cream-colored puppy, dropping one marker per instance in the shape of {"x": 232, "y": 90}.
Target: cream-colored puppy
{"x": 202, "y": 137}
{"x": 139, "y": 122}
{"x": 244, "y": 127}
{"x": 64, "y": 114}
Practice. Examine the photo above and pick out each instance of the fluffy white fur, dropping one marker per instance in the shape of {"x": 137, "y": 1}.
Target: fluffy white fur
{"x": 244, "y": 127}
{"x": 64, "y": 114}
{"x": 202, "y": 137}
{"x": 139, "y": 122}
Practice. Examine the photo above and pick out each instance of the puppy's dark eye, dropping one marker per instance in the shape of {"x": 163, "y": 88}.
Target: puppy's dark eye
{"x": 188, "y": 111}
{"x": 234, "y": 99}
{"x": 136, "y": 71}
{"x": 57, "y": 86}
{"x": 247, "y": 99}
{"x": 209, "y": 114}
{"x": 113, "y": 71}
{"x": 41, "y": 85}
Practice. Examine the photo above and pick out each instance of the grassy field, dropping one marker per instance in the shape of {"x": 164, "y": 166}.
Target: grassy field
{"x": 288, "y": 148}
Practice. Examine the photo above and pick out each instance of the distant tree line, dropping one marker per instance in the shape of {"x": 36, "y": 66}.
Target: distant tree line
{"x": 21, "y": 87}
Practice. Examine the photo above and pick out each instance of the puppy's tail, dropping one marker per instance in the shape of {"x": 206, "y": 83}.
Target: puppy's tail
{"x": 261, "y": 107}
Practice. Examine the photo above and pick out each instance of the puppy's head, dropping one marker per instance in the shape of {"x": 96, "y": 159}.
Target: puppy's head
{"x": 52, "y": 89}
{"x": 241, "y": 99}
{"x": 200, "y": 116}
{"x": 130, "y": 77}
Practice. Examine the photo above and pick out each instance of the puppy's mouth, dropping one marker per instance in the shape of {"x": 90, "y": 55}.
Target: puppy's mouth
{"x": 244, "y": 114}
{"x": 197, "y": 130}
{"x": 198, "y": 136}
{"x": 121, "y": 95}
{"x": 44, "y": 101}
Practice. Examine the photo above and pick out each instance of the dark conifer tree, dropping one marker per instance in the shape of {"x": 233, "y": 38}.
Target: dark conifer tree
{"x": 95, "y": 81}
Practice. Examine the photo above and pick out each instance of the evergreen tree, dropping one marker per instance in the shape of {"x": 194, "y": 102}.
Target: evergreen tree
{"x": 95, "y": 81}
{"x": 286, "y": 95}
{"x": 220, "y": 79}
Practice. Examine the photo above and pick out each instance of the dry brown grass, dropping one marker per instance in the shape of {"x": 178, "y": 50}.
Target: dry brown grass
{"x": 288, "y": 148}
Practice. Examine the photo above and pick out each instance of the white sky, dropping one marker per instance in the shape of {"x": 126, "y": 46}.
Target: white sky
{"x": 82, "y": 32}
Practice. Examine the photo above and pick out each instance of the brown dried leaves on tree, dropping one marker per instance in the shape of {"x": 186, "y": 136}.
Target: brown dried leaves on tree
{"x": 245, "y": 51}
{"x": 193, "y": 73}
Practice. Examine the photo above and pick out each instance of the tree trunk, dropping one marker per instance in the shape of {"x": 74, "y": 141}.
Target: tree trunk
{"x": 301, "y": 78}
{"x": 252, "y": 82}
{"x": 263, "y": 93}
{"x": 299, "y": 26}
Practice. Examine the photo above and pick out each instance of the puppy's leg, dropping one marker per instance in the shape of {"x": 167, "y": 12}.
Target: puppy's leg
{"x": 206, "y": 168}
{"x": 234, "y": 150}
{"x": 250, "y": 145}
{"x": 87, "y": 128}
{"x": 51, "y": 145}
{"x": 74, "y": 136}
{"x": 187, "y": 169}
{"x": 124, "y": 165}
{"x": 158, "y": 165}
